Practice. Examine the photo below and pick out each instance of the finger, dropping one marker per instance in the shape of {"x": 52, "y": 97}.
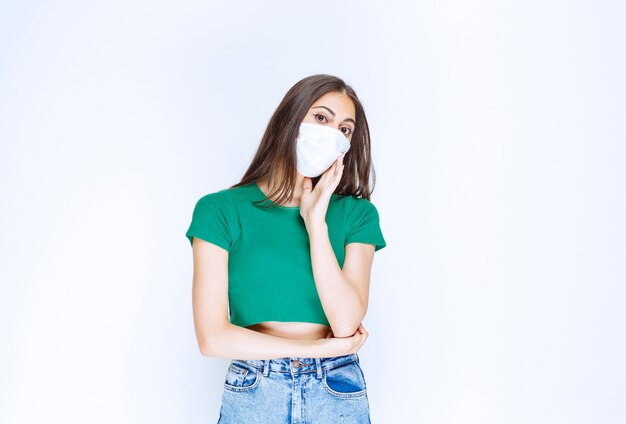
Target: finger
{"x": 341, "y": 164}
{"x": 338, "y": 170}
{"x": 339, "y": 161}
{"x": 307, "y": 185}
{"x": 329, "y": 178}
{"x": 332, "y": 169}
{"x": 328, "y": 172}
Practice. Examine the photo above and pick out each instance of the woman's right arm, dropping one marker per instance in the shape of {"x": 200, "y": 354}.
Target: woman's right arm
{"x": 218, "y": 337}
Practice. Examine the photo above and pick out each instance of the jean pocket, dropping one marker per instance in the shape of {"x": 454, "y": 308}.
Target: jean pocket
{"x": 241, "y": 377}
{"x": 345, "y": 381}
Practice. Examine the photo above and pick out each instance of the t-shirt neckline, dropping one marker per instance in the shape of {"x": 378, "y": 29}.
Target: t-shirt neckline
{"x": 295, "y": 208}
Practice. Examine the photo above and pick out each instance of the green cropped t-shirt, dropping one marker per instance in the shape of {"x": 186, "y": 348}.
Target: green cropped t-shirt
{"x": 270, "y": 277}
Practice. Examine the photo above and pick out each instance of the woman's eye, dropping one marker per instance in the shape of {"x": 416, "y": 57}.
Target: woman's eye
{"x": 321, "y": 118}
{"x": 317, "y": 115}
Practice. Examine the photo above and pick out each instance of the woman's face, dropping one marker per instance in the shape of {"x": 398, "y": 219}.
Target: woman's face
{"x": 334, "y": 110}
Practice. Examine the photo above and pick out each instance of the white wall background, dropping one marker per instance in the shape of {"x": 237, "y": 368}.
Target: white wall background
{"x": 499, "y": 145}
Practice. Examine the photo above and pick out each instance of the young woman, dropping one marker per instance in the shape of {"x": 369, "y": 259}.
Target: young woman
{"x": 282, "y": 264}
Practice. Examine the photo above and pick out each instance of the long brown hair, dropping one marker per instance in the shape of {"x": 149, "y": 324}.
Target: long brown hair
{"x": 277, "y": 150}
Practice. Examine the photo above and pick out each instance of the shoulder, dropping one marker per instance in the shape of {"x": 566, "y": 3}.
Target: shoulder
{"x": 215, "y": 197}
{"x": 216, "y": 200}
{"x": 359, "y": 205}
{"x": 214, "y": 219}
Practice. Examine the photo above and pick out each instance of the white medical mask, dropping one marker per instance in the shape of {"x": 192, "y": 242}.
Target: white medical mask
{"x": 317, "y": 147}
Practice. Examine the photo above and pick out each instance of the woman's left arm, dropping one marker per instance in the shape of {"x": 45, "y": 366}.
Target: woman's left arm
{"x": 343, "y": 293}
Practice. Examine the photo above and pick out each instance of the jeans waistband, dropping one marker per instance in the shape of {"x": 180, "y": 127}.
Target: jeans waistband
{"x": 293, "y": 364}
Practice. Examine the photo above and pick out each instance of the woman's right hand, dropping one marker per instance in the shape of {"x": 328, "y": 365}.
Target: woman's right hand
{"x": 339, "y": 346}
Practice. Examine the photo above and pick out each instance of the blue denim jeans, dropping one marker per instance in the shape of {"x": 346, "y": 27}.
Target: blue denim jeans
{"x": 295, "y": 391}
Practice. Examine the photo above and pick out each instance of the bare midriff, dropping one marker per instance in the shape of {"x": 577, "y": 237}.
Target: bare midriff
{"x": 292, "y": 330}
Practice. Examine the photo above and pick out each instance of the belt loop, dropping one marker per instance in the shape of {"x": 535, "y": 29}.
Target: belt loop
{"x": 318, "y": 367}
{"x": 266, "y": 367}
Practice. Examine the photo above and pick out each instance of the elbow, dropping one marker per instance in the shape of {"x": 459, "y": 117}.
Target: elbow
{"x": 205, "y": 350}
{"x": 348, "y": 326}
{"x": 345, "y": 329}
{"x": 210, "y": 344}
{"x": 210, "y": 349}
{"x": 341, "y": 333}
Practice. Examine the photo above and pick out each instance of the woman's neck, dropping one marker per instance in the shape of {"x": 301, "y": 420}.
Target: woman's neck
{"x": 297, "y": 190}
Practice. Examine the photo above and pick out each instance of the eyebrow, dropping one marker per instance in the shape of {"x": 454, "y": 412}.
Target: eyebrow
{"x": 333, "y": 113}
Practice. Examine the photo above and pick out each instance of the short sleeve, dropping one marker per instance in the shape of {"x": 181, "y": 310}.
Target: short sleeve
{"x": 364, "y": 224}
{"x": 210, "y": 220}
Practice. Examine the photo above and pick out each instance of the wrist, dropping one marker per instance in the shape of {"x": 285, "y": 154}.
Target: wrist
{"x": 333, "y": 346}
{"x": 315, "y": 226}
{"x": 321, "y": 348}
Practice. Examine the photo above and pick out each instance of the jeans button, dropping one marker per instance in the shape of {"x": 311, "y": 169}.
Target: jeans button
{"x": 296, "y": 363}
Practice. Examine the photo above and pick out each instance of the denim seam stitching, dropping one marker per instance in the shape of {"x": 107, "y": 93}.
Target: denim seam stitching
{"x": 360, "y": 393}
{"x": 244, "y": 389}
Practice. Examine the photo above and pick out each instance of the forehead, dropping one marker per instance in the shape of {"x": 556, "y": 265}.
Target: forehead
{"x": 340, "y": 103}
